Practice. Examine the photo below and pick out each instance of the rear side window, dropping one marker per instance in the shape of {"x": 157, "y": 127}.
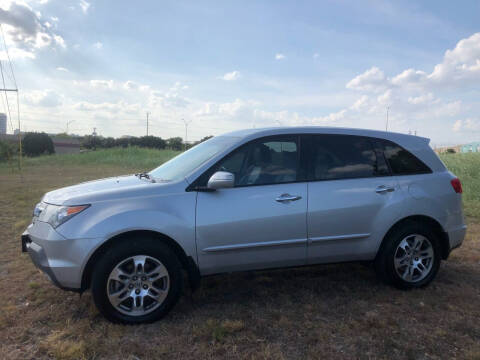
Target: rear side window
{"x": 401, "y": 161}
{"x": 343, "y": 157}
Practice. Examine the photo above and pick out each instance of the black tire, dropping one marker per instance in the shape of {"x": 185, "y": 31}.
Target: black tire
{"x": 384, "y": 262}
{"x": 124, "y": 249}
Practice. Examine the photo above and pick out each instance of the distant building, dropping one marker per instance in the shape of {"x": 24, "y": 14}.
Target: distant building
{"x": 66, "y": 145}
{"x": 443, "y": 149}
{"x": 472, "y": 147}
{"x": 3, "y": 123}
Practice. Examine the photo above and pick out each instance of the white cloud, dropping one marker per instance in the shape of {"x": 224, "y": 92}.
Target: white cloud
{"x": 62, "y": 69}
{"x": 130, "y": 85}
{"x": 45, "y": 98}
{"x": 98, "y": 45}
{"x": 421, "y": 99}
{"x": 234, "y": 75}
{"x": 457, "y": 125}
{"x": 84, "y": 5}
{"x": 460, "y": 64}
{"x": 60, "y": 41}
{"x": 316, "y": 56}
{"x": 25, "y": 33}
{"x": 107, "y": 108}
{"x": 467, "y": 125}
{"x": 16, "y": 53}
{"x": 279, "y": 56}
{"x": 371, "y": 80}
{"x": 106, "y": 84}
{"x": 409, "y": 77}
{"x": 459, "y": 67}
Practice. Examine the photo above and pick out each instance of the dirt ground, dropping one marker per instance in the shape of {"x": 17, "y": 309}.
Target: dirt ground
{"x": 324, "y": 312}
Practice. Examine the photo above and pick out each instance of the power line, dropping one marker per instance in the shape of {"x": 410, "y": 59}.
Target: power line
{"x": 6, "y": 96}
{"x": 8, "y": 57}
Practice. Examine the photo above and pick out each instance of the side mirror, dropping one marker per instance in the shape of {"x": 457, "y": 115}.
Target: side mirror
{"x": 221, "y": 180}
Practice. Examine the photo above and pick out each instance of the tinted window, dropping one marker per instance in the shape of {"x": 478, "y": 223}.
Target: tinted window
{"x": 269, "y": 161}
{"x": 343, "y": 157}
{"x": 403, "y": 162}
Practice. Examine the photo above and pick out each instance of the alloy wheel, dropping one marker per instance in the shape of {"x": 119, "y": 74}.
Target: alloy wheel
{"x": 138, "y": 285}
{"x": 414, "y": 257}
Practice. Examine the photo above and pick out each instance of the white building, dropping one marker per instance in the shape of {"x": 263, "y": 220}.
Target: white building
{"x": 3, "y": 123}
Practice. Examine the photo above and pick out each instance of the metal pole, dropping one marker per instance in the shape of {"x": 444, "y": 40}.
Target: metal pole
{"x": 186, "y": 131}
{"x": 68, "y": 123}
{"x": 386, "y": 125}
{"x": 19, "y": 138}
{"x": 148, "y": 113}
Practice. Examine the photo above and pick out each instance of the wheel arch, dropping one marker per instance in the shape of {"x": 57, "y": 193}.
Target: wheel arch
{"x": 187, "y": 262}
{"x": 426, "y": 220}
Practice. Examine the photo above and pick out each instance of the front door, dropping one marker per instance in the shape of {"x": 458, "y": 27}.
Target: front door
{"x": 261, "y": 222}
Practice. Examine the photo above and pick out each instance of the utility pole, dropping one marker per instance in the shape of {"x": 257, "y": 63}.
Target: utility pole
{"x": 94, "y": 134}
{"x": 386, "y": 125}
{"x": 68, "y": 123}
{"x": 186, "y": 131}
{"x": 148, "y": 113}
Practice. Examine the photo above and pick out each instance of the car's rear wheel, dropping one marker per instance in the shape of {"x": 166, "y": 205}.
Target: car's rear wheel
{"x": 137, "y": 281}
{"x": 409, "y": 257}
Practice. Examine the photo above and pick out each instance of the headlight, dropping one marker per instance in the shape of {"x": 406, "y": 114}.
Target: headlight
{"x": 57, "y": 215}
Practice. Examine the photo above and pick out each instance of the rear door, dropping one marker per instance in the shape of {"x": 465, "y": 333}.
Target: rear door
{"x": 351, "y": 198}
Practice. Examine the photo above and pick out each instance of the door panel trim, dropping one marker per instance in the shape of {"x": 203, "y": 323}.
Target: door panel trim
{"x": 337, "y": 237}
{"x": 253, "y": 245}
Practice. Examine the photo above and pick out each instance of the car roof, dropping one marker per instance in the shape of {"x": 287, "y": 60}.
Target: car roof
{"x": 260, "y": 132}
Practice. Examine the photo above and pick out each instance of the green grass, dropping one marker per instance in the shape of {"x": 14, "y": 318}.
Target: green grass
{"x": 130, "y": 157}
{"x": 467, "y": 168}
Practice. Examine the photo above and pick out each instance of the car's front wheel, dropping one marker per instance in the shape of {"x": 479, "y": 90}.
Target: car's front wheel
{"x": 137, "y": 281}
{"x": 410, "y": 256}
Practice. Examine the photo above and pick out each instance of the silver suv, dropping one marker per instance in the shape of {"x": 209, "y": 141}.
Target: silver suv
{"x": 251, "y": 199}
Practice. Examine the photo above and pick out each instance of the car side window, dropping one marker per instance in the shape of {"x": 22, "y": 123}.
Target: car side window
{"x": 401, "y": 161}
{"x": 273, "y": 160}
{"x": 343, "y": 157}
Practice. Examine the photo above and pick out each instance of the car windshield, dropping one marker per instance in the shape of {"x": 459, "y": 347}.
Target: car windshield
{"x": 183, "y": 164}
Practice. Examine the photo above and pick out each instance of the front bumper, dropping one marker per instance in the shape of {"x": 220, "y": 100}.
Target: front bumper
{"x": 39, "y": 259}
{"x": 61, "y": 259}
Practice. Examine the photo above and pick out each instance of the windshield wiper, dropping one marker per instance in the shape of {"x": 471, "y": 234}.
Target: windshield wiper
{"x": 145, "y": 175}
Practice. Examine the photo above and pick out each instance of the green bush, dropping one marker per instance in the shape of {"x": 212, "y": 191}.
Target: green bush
{"x": 35, "y": 144}
{"x": 6, "y": 151}
{"x": 175, "y": 143}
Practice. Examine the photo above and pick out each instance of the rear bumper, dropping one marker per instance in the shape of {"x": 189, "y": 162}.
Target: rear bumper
{"x": 456, "y": 236}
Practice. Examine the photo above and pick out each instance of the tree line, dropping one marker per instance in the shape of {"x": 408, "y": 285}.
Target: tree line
{"x": 154, "y": 142}
{"x": 35, "y": 144}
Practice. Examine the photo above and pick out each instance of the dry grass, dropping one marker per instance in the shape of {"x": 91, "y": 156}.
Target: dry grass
{"x": 332, "y": 311}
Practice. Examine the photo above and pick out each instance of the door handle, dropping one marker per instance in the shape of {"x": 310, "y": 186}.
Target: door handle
{"x": 384, "y": 189}
{"x": 287, "y": 197}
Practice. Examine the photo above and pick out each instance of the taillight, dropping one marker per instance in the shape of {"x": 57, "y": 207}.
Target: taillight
{"x": 457, "y": 185}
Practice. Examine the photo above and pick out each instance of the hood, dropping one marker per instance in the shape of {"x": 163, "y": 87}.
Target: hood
{"x": 103, "y": 189}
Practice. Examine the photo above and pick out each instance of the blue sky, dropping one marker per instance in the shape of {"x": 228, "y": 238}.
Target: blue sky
{"x": 225, "y": 65}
